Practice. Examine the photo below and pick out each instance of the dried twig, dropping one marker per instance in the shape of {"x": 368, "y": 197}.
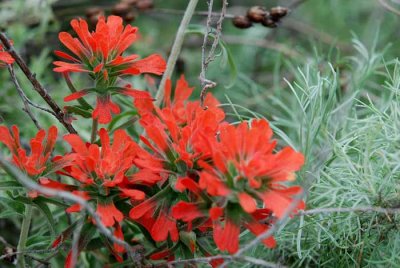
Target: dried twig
{"x": 255, "y": 261}
{"x": 205, "y": 61}
{"x": 35, "y": 83}
{"x": 388, "y": 7}
{"x": 30, "y": 184}
{"x": 75, "y": 242}
{"x": 24, "y": 98}
{"x": 176, "y": 49}
{"x": 349, "y": 210}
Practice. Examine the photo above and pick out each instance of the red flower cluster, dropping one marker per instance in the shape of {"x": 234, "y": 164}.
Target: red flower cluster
{"x": 99, "y": 54}
{"x": 5, "y": 57}
{"x": 192, "y": 173}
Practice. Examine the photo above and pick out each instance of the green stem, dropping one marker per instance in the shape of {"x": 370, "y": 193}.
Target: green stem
{"x": 26, "y": 224}
{"x": 176, "y": 49}
{"x": 72, "y": 88}
{"x": 94, "y": 131}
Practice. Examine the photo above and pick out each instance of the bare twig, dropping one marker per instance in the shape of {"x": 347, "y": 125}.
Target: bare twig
{"x": 75, "y": 242}
{"x": 205, "y": 61}
{"x": 176, "y": 49}
{"x": 30, "y": 184}
{"x": 35, "y": 83}
{"x": 21, "y": 93}
{"x": 255, "y": 261}
{"x": 30, "y": 252}
{"x": 349, "y": 210}
{"x": 388, "y": 7}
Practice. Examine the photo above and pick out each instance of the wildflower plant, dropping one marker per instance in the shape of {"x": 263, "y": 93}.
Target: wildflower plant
{"x": 186, "y": 187}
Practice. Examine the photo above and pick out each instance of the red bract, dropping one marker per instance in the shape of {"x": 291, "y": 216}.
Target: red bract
{"x": 181, "y": 130}
{"x": 99, "y": 54}
{"x": 102, "y": 170}
{"x": 243, "y": 174}
{"x": 104, "y": 178}
{"x": 41, "y": 148}
{"x": 5, "y": 57}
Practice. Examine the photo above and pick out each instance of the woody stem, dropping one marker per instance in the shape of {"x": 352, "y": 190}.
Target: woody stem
{"x": 26, "y": 224}
{"x": 94, "y": 131}
{"x": 176, "y": 49}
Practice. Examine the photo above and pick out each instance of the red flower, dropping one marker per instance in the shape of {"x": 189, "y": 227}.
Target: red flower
{"x": 102, "y": 172}
{"x": 41, "y": 149}
{"x": 5, "y": 57}
{"x": 99, "y": 53}
{"x": 244, "y": 162}
{"x": 244, "y": 174}
{"x": 181, "y": 130}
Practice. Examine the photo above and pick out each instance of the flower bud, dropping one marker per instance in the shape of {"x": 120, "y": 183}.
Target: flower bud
{"x": 93, "y": 11}
{"x": 242, "y": 22}
{"x": 268, "y": 22}
{"x": 256, "y": 13}
{"x": 130, "y": 2}
{"x": 120, "y": 9}
{"x": 129, "y": 17}
{"x": 144, "y": 4}
{"x": 278, "y": 12}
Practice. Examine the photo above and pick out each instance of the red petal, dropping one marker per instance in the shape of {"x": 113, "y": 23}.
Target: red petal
{"x": 134, "y": 194}
{"x": 109, "y": 214}
{"x": 76, "y": 95}
{"x": 247, "y": 202}
{"x": 154, "y": 64}
{"x": 118, "y": 234}
{"x": 186, "y": 211}
{"x": 103, "y": 109}
{"x": 6, "y": 57}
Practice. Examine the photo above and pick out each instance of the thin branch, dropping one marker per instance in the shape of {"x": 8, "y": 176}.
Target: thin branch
{"x": 21, "y": 93}
{"x": 176, "y": 49}
{"x": 388, "y": 7}
{"x": 30, "y": 184}
{"x": 251, "y": 260}
{"x": 31, "y": 251}
{"x": 19, "y": 88}
{"x": 75, "y": 242}
{"x": 35, "y": 83}
{"x": 347, "y": 210}
{"x": 205, "y": 61}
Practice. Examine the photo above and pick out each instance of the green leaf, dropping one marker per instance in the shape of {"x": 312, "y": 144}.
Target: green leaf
{"x": 8, "y": 214}
{"x": 14, "y": 205}
{"x": 227, "y": 57}
{"x": 75, "y": 109}
{"x": 9, "y": 185}
{"x": 117, "y": 118}
{"x": 52, "y": 201}
{"x": 42, "y": 206}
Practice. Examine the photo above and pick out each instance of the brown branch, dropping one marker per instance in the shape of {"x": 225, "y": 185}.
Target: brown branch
{"x": 205, "y": 61}
{"x": 32, "y": 185}
{"x": 388, "y": 7}
{"x": 35, "y": 83}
